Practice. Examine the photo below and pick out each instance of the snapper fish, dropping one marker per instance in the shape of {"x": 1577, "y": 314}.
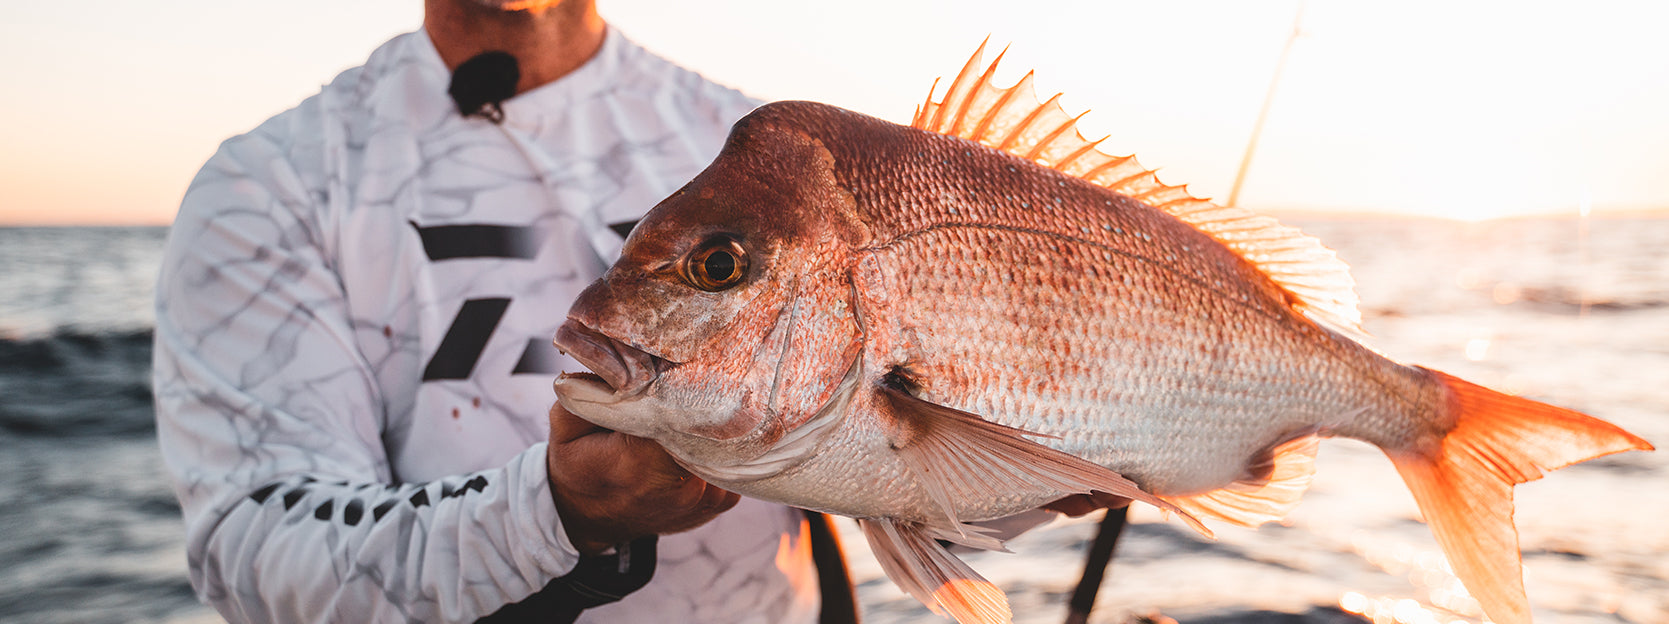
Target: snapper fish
{"x": 930, "y": 326}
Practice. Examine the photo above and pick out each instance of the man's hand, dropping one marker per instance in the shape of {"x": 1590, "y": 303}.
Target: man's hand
{"x": 611, "y": 488}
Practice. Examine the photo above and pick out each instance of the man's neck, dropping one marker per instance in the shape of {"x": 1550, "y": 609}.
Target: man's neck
{"x": 548, "y": 42}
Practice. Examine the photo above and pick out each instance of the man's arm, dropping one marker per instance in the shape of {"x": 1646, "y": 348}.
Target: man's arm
{"x": 270, "y": 421}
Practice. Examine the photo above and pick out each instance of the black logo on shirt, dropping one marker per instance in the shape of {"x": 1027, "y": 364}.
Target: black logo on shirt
{"x": 466, "y": 339}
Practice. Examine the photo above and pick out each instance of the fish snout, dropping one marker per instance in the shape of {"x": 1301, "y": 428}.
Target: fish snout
{"x": 626, "y": 369}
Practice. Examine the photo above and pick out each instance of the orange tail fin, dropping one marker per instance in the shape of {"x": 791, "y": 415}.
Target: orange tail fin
{"x": 1465, "y": 486}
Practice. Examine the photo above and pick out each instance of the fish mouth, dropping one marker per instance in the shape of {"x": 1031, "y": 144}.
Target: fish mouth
{"x": 624, "y": 369}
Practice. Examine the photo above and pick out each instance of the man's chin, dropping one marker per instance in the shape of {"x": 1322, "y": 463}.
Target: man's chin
{"x": 518, "y": 5}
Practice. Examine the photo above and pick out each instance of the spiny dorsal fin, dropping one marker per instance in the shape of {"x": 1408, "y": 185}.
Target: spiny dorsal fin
{"x": 1250, "y": 502}
{"x": 1011, "y": 119}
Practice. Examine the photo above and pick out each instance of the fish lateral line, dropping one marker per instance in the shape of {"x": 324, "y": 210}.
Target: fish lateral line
{"x": 976, "y": 110}
{"x": 1154, "y": 262}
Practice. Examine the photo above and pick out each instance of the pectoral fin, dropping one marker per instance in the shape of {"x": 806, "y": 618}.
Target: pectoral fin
{"x": 956, "y": 455}
{"x": 924, "y": 569}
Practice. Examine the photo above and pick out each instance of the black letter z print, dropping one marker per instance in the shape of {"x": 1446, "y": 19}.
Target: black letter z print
{"x": 466, "y": 339}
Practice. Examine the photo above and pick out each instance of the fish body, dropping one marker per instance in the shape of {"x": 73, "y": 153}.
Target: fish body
{"x": 923, "y": 328}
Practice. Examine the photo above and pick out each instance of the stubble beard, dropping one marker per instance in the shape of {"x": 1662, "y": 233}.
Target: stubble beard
{"x": 517, "y": 5}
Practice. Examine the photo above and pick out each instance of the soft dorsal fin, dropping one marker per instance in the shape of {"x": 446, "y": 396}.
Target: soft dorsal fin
{"x": 1284, "y": 475}
{"x": 1012, "y": 120}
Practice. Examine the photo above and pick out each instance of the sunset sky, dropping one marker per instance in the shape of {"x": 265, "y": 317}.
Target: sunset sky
{"x": 1467, "y": 110}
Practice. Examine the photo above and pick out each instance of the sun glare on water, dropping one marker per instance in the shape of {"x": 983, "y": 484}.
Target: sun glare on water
{"x": 1445, "y": 600}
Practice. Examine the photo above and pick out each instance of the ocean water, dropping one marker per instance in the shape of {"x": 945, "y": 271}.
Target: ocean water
{"x": 1569, "y": 311}
{"x": 90, "y": 531}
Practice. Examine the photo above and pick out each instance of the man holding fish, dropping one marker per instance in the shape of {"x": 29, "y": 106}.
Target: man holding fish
{"x": 921, "y": 327}
{"x": 353, "y": 348}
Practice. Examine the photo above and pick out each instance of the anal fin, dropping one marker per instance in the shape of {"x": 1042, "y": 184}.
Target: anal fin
{"x": 1268, "y": 495}
{"x": 924, "y": 569}
{"x": 956, "y": 456}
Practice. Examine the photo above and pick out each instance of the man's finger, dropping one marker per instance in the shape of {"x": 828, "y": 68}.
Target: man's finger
{"x": 648, "y": 462}
{"x": 716, "y": 500}
{"x": 711, "y": 502}
{"x": 566, "y": 427}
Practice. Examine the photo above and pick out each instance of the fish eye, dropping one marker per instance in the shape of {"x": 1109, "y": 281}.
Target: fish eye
{"x": 716, "y": 265}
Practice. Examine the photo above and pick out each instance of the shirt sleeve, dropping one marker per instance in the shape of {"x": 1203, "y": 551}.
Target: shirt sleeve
{"x": 270, "y": 423}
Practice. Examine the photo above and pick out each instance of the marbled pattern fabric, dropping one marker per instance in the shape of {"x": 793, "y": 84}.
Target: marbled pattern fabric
{"x": 329, "y": 467}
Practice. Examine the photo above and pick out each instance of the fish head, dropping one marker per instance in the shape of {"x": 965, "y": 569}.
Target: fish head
{"x": 728, "y": 319}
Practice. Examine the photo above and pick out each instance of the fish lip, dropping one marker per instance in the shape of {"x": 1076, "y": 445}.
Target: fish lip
{"x": 625, "y": 369}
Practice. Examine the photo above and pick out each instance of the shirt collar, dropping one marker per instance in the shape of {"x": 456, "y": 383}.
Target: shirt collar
{"x": 595, "y": 76}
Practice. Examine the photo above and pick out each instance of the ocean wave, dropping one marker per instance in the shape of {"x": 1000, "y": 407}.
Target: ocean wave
{"x": 1565, "y": 299}
{"x": 77, "y": 384}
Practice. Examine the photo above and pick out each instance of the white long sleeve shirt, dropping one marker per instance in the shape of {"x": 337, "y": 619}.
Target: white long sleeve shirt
{"x": 353, "y": 361}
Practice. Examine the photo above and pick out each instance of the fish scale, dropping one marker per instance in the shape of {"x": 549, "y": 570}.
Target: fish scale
{"x": 1085, "y": 335}
{"x": 935, "y": 325}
